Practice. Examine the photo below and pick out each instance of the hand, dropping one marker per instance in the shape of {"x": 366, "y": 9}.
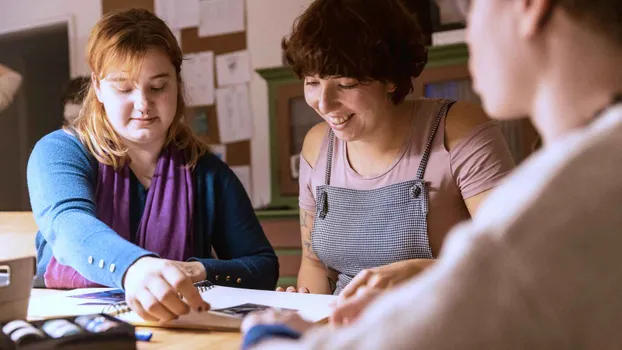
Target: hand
{"x": 288, "y": 318}
{"x": 193, "y": 269}
{"x": 292, "y": 289}
{"x": 154, "y": 289}
{"x": 386, "y": 276}
{"x": 348, "y": 310}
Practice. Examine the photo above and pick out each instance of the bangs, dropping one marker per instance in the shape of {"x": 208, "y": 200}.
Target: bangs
{"x": 127, "y": 60}
{"x": 329, "y": 62}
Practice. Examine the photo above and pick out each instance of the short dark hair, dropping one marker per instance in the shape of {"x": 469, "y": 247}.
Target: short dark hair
{"x": 369, "y": 40}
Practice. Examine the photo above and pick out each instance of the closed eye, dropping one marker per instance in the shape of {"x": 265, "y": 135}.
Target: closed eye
{"x": 160, "y": 88}
{"x": 348, "y": 86}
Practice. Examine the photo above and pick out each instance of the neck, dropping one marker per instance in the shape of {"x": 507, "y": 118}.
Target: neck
{"x": 574, "y": 90}
{"x": 144, "y": 158}
{"x": 388, "y": 137}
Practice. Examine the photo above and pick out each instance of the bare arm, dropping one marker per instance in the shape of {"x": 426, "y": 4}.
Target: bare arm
{"x": 313, "y": 274}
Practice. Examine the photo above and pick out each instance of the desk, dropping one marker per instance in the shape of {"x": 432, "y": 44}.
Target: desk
{"x": 17, "y": 239}
{"x": 177, "y": 338}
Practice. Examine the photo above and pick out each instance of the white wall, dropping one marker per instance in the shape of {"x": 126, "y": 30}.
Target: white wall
{"x": 16, "y": 15}
{"x": 268, "y": 21}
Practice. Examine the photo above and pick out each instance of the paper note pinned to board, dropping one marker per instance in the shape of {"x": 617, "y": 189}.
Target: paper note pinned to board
{"x": 233, "y": 110}
{"x": 218, "y": 17}
{"x": 233, "y": 68}
{"x": 243, "y": 172}
{"x": 198, "y": 74}
{"x": 178, "y": 14}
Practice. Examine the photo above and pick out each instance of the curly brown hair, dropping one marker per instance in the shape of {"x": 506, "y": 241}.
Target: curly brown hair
{"x": 368, "y": 40}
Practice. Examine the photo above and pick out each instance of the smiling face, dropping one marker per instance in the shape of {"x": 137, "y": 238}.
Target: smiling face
{"x": 141, "y": 110}
{"x": 351, "y": 108}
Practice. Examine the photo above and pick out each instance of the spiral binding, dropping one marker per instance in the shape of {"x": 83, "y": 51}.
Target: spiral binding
{"x": 122, "y": 307}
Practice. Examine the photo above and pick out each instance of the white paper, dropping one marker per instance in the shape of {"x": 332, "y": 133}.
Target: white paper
{"x": 243, "y": 172}
{"x": 198, "y": 74}
{"x": 233, "y": 68}
{"x": 178, "y": 14}
{"x": 217, "y": 17}
{"x": 233, "y": 110}
{"x": 219, "y": 151}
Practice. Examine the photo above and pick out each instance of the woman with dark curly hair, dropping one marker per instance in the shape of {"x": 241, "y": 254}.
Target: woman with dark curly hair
{"x": 383, "y": 178}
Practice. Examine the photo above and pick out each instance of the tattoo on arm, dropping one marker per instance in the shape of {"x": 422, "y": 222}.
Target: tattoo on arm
{"x": 310, "y": 252}
{"x": 304, "y": 215}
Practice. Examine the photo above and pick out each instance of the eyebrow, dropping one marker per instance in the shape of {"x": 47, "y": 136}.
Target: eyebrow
{"x": 123, "y": 79}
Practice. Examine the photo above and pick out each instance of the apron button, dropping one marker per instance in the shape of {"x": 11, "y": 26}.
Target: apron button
{"x": 415, "y": 191}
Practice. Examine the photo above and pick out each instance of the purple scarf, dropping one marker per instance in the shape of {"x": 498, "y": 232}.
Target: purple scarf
{"x": 165, "y": 227}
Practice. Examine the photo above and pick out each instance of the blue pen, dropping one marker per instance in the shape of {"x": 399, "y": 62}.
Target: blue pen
{"x": 143, "y": 335}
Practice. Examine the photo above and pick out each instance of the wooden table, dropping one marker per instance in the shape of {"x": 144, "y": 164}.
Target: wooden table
{"x": 17, "y": 239}
{"x": 175, "y": 338}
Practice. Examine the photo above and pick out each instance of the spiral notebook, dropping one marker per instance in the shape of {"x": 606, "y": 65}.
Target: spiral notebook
{"x": 228, "y": 306}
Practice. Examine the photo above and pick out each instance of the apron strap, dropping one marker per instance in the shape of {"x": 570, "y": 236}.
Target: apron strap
{"x": 329, "y": 156}
{"x": 426, "y": 155}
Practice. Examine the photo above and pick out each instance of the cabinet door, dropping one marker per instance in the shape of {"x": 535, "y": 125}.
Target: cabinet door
{"x": 294, "y": 119}
{"x": 454, "y": 82}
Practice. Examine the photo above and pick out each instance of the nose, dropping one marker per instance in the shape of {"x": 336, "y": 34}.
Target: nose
{"x": 142, "y": 101}
{"x": 328, "y": 99}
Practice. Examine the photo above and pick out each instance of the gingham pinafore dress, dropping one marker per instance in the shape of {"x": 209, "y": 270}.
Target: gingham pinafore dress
{"x": 360, "y": 229}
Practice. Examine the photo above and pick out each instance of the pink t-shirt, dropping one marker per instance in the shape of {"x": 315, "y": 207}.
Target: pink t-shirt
{"x": 475, "y": 165}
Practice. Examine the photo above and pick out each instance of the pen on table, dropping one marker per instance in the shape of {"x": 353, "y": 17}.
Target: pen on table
{"x": 143, "y": 335}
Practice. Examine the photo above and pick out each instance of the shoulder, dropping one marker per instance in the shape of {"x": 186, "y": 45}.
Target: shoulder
{"x": 313, "y": 143}
{"x": 213, "y": 170}
{"x": 62, "y": 146}
{"x": 461, "y": 120}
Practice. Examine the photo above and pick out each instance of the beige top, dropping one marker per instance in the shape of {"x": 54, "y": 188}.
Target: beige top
{"x": 475, "y": 165}
{"x": 9, "y": 84}
{"x": 538, "y": 267}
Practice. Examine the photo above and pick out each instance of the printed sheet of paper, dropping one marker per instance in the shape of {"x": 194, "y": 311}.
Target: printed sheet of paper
{"x": 198, "y": 74}
{"x": 233, "y": 110}
{"x": 243, "y": 172}
{"x": 233, "y": 68}
{"x": 219, "y": 151}
{"x": 218, "y": 17}
{"x": 178, "y": 14}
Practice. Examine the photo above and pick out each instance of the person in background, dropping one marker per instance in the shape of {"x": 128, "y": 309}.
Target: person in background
{"x": 538, "y": 267}
{"x": 73, "y": 98}
{"x": 127, "y": 196}
{"x": 383, "y": 178}
{"x": 10, "y": 81}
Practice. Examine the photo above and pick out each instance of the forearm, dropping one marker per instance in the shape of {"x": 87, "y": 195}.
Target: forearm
{"x": 99, "y": 255}
{"x": 254, "y": 272}
{"x": 316, "y": 278}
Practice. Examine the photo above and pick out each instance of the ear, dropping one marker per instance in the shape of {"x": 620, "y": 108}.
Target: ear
{"x": 532, "y": 15}
{"x": 96, "y": 87}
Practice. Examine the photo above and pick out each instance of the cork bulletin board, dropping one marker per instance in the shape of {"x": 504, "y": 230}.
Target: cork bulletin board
{"x": 237, "y": 153}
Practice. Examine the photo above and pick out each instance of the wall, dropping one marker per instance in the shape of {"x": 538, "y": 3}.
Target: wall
{"x": 23, "y": 14}
{"x": 41, "y": 57}
{"x": 265, "y": 30}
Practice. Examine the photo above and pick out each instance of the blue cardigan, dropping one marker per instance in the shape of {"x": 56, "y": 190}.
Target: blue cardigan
{"x": 61, "y": 181}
